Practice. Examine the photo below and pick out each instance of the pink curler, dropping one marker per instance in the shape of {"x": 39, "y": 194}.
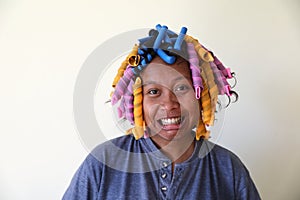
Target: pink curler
{"x": 228, "y": 72}
{"x": 198, "y": 92}
{"x": 227, "y": 90}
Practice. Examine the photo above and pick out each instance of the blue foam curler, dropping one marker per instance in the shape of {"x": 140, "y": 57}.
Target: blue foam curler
{"x": 167, "y": 39}
{"x": 180, "y": 38}
{"x": 171, "y": 33}
{"x": 149, "y": 57}
{"x": 140, "y": 52}
{"x": 168, "y": 59}
{"x": 160, "y": 37}
{"x": 158, "y": 27}
{"x": 143, "y": 62}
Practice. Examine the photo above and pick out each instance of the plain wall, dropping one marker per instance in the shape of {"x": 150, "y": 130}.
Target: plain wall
{"x": 43, "y": 45}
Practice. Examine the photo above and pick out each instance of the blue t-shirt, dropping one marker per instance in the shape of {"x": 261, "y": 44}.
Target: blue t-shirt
{"x": 125, "y": 168}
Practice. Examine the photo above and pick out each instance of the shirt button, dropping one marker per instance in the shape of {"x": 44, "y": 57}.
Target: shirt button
{"x": 165, "y": 164}
{"x": 164, "y": 188}
{"x": 164, "y": 175}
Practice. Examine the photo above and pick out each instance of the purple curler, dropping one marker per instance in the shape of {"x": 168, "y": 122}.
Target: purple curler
{"x": 168, "y": 59}
{"x": 121, "y": 109}
{"x": 119, "y": 91}
{"x": 195, "y": 70}
{"x": 122, "y": 85}
{"x": 128, "y": 102}
{"x": 180, "y": 38}
{"x": 226, "y": 71}
{"x": 219, "y": 78}
{"x": 160, "y": 37}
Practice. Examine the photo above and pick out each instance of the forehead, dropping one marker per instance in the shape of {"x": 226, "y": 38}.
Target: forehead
{"x": 158, "y": 70}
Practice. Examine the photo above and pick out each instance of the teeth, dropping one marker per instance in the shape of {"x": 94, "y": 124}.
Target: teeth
{"x": 168, "y": 121}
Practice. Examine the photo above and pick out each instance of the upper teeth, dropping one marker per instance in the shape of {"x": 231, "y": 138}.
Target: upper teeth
{"x": 168, "y": 121}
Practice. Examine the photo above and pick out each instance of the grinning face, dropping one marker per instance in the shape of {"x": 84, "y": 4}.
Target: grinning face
{"x": 170, "y": 108}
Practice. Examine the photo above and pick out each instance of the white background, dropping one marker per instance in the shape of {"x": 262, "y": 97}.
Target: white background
{"x": 43, "y": 45}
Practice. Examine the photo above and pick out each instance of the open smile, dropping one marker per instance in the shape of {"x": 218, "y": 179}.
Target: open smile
{"x": 171, "y": 123}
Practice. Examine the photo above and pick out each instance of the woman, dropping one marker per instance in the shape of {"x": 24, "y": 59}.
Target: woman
{"x": 167, "y": 87}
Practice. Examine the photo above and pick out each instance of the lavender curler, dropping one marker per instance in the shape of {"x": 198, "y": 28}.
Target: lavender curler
{"x": 121, "y": 109}
{"x": 226, "y": 71}
{"x": 219, "y": 78}
{"x": 180, "y": 38}
{"x": 122, "y": 85}
{"x": 128, "y": 103}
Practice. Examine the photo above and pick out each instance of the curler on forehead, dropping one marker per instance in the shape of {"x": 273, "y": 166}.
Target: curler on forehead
{"x": 209, "y": 76}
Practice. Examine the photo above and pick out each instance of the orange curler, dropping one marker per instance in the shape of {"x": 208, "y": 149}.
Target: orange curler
{"x": 133, "y": 55}
{"x": 138, "y": 130}
{"x": 212, "y": 88}
{"x": 203, "y": 53}
{"x": 206, "y": 104}
{"x": 201, "y": 130}
{"x": 120, "y": 73}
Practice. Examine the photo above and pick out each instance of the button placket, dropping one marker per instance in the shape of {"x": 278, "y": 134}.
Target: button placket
{"x": 165, "y": 178}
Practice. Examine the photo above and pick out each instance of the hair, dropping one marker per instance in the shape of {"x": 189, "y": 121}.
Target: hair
{"x": 209, "y": 77}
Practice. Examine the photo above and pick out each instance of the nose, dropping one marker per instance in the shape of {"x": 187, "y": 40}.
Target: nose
{"x": 169, "y": 100}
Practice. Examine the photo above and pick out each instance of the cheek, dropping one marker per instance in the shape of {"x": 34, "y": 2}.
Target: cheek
{"x": 193, "y": 108}
{"x": 149, "y": 110}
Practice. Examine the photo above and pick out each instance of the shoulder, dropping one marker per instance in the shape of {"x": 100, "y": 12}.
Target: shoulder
{"x": 123, "y": 143}
{"x": 227, "y": 164}
{"x": 219, "y": 153}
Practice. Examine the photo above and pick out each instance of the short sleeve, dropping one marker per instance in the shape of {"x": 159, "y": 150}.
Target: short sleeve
{"x": 249, "y": 193}
{"x": 86, "y": 181}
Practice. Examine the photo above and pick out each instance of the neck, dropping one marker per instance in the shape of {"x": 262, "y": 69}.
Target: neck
{"x": 178, "y": 150}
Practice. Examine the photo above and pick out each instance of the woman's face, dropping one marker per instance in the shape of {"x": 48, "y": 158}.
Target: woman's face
{"x": 170, "y": 108}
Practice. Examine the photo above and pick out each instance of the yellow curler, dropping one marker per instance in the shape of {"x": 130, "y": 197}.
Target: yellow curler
{"x": 206, "y": 105}
{"x": 211, "y": 93}
{"x": 203, "y": 53}
{"x": 138, "y": 130}
{"x": 201, "y": 130}
{"x": 129, "y": 59}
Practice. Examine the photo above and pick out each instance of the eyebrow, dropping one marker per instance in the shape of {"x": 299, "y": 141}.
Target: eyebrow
{"x": 176, "y": 79}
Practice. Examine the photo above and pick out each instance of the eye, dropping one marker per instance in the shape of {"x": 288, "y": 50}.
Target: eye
{"x": 153, "y": 92}
{"x": 181, "y": 88}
